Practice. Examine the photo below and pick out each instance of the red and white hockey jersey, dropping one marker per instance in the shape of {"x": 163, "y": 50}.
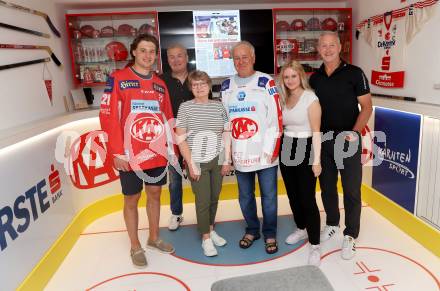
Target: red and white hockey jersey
{"x": 389, "y": 34}
{"x": 134, "y": 114}
{"x": 256, "y": 123}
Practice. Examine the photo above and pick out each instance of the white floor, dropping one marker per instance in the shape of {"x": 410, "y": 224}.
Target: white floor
{"x": 387, "y": 259}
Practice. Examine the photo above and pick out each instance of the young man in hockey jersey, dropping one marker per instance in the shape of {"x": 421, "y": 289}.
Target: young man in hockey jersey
{"x": 252, "y": 103}
{"x": 341, "y": 87}
{"x": 135, "y": 108}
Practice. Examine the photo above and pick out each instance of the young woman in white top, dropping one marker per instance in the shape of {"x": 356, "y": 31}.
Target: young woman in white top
{"x": 300, "y": 154}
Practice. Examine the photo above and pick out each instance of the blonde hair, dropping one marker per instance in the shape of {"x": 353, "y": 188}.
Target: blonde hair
{"x": 304, "y": 83}
{"x": 198, "y": 76}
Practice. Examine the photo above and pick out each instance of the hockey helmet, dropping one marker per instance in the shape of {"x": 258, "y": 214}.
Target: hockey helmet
{"x": 313, "y": 24}
{"x": 107, "y": 31}
{"x": 283, "y": 25}
{"x": 329, "y": 24}
{"x": 298, "y": 24}
{"x": 125, "y": 29}
{"x": 87, "y": 30}
{"x": 146, "y": 29}
{"x": 116, "y": 51}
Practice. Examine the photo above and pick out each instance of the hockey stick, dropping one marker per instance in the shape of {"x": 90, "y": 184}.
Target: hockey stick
{"x": 16, "y": 65}
{"x": 39, "y": 13}
{"x": 25, "y": 30}
{"x": 30, "y": 47}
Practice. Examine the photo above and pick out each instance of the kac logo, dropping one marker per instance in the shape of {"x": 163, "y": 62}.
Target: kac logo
{"x": 244, "y": 128}
{"x": 89, "y": 164}
{"x": 147, "y": 129}
{"x": 35, "y": 201}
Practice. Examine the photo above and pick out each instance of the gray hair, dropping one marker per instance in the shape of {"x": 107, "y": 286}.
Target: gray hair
{"x": 330, "y": 33}
{"x": 177, "y": 45}
{"x": 245, "y": 43}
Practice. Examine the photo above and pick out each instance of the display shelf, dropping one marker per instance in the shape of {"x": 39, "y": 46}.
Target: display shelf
{"x": 99, "y": 43}
{"x": 297, "y": 30}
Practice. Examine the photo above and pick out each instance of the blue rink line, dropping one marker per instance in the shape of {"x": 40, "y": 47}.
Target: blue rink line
{"x": 187, "y": 243}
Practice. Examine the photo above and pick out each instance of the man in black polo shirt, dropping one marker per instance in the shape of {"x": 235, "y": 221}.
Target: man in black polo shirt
{"x": 177, "y": 84}
{"x": 341, "y": 87}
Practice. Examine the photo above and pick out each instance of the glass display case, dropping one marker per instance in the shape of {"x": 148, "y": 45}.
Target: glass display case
{"x": 99, "y": 43}
{"x": 296, "y": 33}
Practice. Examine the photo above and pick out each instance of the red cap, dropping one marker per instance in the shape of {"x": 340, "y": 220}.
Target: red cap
{"x": 283, "y": 25}
{"x": 298, "y": 24}
{"x": 329, "y": 24}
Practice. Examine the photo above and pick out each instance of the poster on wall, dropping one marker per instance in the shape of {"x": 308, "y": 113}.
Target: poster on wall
{"x": 215, "y": 33}
{"x": 396, "y": 176}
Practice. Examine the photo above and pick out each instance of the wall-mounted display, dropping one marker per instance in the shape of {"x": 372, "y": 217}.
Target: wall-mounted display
{"x": 99, "y": 43}
{"x": 296, "y": 33}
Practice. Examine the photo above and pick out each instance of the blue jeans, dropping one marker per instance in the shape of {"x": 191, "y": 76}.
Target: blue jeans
{"x": 267, "y": 179}
{"x": 175, "y": 188}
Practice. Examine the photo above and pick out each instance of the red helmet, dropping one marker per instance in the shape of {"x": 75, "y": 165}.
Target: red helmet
{"x": 125, "y": 29}
{"x": 298, "y": 24}
{"x": 107, "y": 31}
{"x": 116, "y": 51}
{"x": 313, "y": 24}
{"x": 283, "y": 26}
{"x": 87, "y": 30}
{"x": 147, "y": 29}
{"x": 329, "y": 24}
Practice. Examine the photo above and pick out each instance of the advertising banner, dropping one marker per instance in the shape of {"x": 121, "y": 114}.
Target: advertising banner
{"x": 396, "y": 176}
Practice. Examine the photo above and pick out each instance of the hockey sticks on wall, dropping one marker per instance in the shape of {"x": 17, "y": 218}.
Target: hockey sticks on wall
{"x": 22, "y": 64}
{"x": 31, "y": 47}
{"x": 25, "y": 30}
{"x": 39, "y": 13}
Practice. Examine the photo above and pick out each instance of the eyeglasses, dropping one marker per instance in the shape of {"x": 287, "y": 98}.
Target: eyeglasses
{"x": 197, "y": 85}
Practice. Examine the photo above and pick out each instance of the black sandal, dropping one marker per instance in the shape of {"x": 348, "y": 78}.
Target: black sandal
{"x": 246, "y": 242}
{"x": 271, "y": 247}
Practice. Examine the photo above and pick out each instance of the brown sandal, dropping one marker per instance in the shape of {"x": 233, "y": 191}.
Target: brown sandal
{"x": 271, "y": 247}
{"x": 246, "y": 242}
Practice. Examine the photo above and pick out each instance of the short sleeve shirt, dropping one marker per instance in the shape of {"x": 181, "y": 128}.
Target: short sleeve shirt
{"x": 338, "y": 95}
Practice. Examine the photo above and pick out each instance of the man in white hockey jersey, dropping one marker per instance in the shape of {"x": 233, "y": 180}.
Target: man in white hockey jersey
{"x": 252, "y": 102}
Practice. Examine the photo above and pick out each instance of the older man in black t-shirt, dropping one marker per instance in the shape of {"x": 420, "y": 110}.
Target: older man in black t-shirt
{"x": 177, "y": 83}
{"x": 341, "y": 87}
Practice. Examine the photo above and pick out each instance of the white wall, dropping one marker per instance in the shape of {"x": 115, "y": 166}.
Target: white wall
{"x": 22, "y": 91}
{"x": 423, "y": 54}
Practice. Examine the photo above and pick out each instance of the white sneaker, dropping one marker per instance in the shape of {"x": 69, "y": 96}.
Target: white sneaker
{"x": 328, "y": 232}
{"x": 296, "y": 236}
{"x": 315, "y": 255}
{"x": 348, "y": 248}
{"x": 216, "y": 239}
{"x": 175, "y": 221}
{"x": 208, "y": 248}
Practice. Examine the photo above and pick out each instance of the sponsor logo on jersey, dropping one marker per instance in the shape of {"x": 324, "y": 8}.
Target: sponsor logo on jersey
{"x": 272, "y": 88}
{"x": 158, "y": 88}
{"x": 145, "y": 106}
{"x": 240, "y": 108}
{"x": 89, "y": 164}
{"x": 129, "y": 84}
{"x": 225, "y": 85}
{"x": 243, "y": 128}
{"x": 147, "y": 129}
{"x": 386, "y": 44}
{"x": 28, "y": 207}
{"x": 241, "y": 95}
{"x": 262, "y": 81}
{"x": 109, "y": 85}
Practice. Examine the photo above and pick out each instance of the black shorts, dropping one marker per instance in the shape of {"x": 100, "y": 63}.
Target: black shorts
{"x": 132, "y": 181}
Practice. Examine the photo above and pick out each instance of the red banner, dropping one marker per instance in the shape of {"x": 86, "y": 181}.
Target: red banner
{"x": 48, "y": 84}
{"x": 388, "y": 79}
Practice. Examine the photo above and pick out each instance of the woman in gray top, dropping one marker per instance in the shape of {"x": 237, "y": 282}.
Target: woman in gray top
{"x": 201, "y": 130}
